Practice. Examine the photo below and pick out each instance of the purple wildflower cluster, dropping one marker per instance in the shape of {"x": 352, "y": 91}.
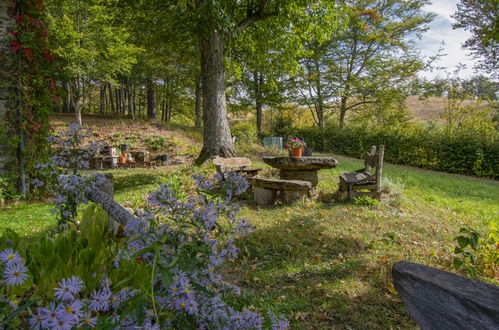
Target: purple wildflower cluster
{"x": 193, "y": 236}
{"x": 14, "y": 271}
{"x": 62, "y": 173}
{"x": 294, "y": 143}
{"x": 74, "y": 307}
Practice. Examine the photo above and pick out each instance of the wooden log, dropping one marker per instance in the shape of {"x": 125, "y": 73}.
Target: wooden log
{"x": 264, "y": 196}
{"x": 106, "y": 201}
{"x": 437, "y": 299}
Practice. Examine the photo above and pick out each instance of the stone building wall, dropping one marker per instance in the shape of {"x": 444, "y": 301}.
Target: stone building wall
{"x": 6, "y": 22}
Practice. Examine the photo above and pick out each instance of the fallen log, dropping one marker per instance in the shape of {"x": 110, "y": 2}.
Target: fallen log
{"x": 103, "y": 195}
{"x": 437, "y": 299}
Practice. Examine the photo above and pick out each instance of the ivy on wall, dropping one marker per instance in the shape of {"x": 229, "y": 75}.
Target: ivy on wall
{"x": 34, "y": 92}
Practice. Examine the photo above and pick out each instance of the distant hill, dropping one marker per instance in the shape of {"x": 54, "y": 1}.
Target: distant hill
{"x": 431, "y": 108}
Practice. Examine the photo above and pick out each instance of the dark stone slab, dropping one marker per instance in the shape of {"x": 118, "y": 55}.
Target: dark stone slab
{"x": 436, "y": 299}
{"x": 300, "y": 163}
{"x": 290, "y": 185}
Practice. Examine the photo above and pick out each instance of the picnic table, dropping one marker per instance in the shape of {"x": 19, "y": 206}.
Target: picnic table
{"x": 300, "y": 168}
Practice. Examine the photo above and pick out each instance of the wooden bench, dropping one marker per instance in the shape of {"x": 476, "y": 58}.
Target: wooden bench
{"x": 362, "y": 182}
{"x": 266, "y": 191}
{"x": 238, "y": 165}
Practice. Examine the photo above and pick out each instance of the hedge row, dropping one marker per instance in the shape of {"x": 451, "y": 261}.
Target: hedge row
{"x": 463, "y": 154}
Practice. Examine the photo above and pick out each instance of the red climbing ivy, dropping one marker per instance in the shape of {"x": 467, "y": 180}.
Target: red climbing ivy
{"x": 35, "y": 93}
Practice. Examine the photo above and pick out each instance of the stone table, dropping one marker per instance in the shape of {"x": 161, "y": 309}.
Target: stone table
{"x": 300, "y": 168}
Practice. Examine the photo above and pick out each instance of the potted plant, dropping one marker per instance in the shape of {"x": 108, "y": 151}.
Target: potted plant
{"x": 296, "y": 146}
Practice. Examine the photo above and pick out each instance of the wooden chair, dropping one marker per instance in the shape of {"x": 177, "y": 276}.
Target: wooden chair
{"x": 362, "y": 182}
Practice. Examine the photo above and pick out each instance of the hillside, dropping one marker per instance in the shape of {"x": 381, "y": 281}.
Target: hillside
{"x": 431, "y": 108}
{"x": 180, "y": 145}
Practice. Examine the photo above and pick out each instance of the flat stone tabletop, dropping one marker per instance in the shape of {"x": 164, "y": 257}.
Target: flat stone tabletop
{"x": 301, "y": 163}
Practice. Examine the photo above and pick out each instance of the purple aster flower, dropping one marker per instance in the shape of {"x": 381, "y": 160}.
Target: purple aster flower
{"x": 87, "y": 320}
{"x": 75, "y": 309}
{"x": 51, "y": 315}
{"x": 15, "y": 274}
{"x": 100, "y": 300}
{"x": 63, "y": 321}
{"x": 68, "y": 287}
{"x": 10, "y": 256}
{"x": 36, "y": 320}
{"x": 279, "y": 323}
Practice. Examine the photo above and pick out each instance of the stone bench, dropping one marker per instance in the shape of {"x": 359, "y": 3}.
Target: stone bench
{"x": 266, "y": 191}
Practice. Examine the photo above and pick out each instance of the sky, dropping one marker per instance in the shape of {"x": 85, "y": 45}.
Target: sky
{"x": 441, "y": 31}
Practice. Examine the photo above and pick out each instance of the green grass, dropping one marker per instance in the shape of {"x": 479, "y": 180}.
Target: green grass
{"x": 321, "y": 263}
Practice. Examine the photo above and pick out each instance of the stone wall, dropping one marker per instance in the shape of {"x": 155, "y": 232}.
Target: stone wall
{"x": 6, "y": 22}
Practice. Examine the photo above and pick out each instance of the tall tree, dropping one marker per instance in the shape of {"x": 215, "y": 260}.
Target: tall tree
{"x": 356, "y": 66}
{"x": 91, "y": 46}
{"x": 211, "y": 25}
{"x": 480, "y": 17}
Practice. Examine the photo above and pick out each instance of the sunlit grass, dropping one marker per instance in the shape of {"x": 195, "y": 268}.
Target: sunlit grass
{"x": 322, "y": 263}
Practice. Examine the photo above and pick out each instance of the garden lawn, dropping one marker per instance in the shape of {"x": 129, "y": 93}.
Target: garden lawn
{"x": 324, "y": 264}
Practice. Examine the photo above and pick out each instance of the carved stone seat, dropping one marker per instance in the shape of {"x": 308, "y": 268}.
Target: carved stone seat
{"x": 238, "y": 165}
{"x": 266, "y": 191}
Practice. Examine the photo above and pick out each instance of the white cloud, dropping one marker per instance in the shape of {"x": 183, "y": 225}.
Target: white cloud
{"x": 441, "y": 31}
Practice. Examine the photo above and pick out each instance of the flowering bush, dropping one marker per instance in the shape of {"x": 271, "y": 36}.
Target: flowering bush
{"x": 161, "y": 274}
{"x": 294, "y": 143}
{"x": 164, "y": 273}
{"x": 62, "y": 173}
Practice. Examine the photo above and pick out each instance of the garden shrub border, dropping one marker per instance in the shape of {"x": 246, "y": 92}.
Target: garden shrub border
{"x": 463, "y": 153}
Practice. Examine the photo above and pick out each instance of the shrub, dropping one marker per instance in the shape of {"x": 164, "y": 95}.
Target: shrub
{"x": 477, "y": 254}
{"x": 157, "y": 143}
{"x": 462, "y": 153}
{"x": 245, "y": 132}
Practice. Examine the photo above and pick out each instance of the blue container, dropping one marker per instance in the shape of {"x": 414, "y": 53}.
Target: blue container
{"x": 273, "y": 141}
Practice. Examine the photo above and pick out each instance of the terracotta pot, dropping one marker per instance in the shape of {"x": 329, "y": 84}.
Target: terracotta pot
{"x": 122, "y": 160}
{"x": 296, "y": 152}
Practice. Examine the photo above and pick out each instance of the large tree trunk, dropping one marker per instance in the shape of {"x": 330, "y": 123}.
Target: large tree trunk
{"x": 217, "y": 139}
{"x": 199, "y": 110}
{"x": 151, "y": 100}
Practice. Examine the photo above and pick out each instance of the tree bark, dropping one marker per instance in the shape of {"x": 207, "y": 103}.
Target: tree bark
{"x": 217, "y": 139}
{"x": 151, "y": 100}
{"x": 102, "y": 99}
{"x": 320, "y": 98}
{"x": 111, "y": 99}
{"x": 199, "y": 110}
{"x": 343, "y": 110}
{"x": 258, "y": 81}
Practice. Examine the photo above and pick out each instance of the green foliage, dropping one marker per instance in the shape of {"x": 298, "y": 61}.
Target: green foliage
{"x": 7, "y": 190}
{"x": 365, "y": 200}
{"x": 461, "y": 153}
{"x": 480, "y": 18}
{"x": 475, "y": 254}
{"x": 84, "y": 251}
{"x": 245, "y": 132}
{"x": 157, "y": 143}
